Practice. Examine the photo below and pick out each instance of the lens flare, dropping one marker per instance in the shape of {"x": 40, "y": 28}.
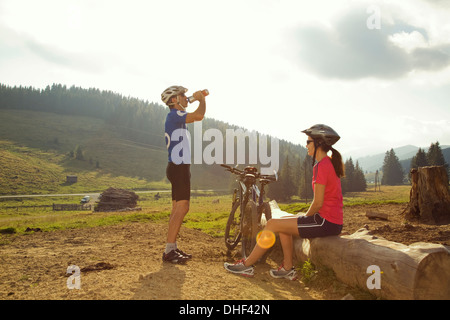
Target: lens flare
{"x": 265, "y": 239}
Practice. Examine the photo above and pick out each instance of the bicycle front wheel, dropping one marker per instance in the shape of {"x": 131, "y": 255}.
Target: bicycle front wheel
{"x": 249, "y": 227}
{"x": 233, "y": 228}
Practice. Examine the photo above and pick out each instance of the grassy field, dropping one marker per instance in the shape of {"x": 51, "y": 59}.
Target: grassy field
{"x": 387, "y": 194}
{"x": 208, "y": 211}
{"x": 27, "y": 170}
{"x": 35, "y": 156}
{"x": 16, "y": 215}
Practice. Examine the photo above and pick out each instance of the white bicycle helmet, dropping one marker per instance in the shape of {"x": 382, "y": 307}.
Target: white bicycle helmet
{"x": 172, "y": 92}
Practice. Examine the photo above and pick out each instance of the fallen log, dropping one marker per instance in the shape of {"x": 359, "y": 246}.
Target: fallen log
{"x": 418, "y": 271}
{"x": 376, "y": 215}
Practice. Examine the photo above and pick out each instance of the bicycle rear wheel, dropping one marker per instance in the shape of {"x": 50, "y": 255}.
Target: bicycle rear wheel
{"x": 249, "y": 225}
{"x": 233, "y": 228}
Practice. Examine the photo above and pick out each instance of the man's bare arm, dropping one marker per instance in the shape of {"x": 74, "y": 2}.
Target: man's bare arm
{"x": 199, "y": 113}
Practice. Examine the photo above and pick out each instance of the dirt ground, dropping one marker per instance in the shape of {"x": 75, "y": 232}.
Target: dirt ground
{"x": 124, "y": 262}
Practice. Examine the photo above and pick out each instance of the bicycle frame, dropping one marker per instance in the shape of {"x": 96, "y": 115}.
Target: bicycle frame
{"x": 251, "y": 198}
{"x": 257, "y": 195}
{"x": 253, "y": 191}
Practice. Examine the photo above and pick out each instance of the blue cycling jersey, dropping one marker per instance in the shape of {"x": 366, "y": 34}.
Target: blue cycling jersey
{"x": 177, "y": 137}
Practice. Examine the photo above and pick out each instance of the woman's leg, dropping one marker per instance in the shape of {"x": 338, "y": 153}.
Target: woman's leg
{"x": 287, "y": 244}
{"x": 286, "y": 227}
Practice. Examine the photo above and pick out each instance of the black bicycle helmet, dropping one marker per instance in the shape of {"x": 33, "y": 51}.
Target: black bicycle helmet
{"x": 321, "y": 132}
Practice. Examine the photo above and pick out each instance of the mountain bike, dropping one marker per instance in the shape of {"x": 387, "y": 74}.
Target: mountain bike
{"x": 247, "y": 209}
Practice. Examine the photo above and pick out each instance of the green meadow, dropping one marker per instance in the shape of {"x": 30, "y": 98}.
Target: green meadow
{"x": 208, "y": 211}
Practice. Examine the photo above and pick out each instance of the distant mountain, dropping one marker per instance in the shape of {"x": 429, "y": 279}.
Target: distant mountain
{"x": 405, "y": 154}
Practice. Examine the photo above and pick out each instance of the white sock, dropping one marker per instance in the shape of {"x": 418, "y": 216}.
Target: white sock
{"x": 170, "y": 247}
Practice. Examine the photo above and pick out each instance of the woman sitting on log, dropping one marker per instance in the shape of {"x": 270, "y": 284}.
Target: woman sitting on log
{"x": 323, "y": 218}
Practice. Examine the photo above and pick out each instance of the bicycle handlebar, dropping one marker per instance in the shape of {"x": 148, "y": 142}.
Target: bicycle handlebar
{"x": 233, "y": 170}
{"x": 240, "y": 172}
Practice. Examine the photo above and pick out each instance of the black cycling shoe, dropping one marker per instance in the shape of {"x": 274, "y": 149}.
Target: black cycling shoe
{"x": 174, "y": 257}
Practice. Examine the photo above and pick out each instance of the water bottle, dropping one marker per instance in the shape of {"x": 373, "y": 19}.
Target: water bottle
{"x": 192, "y": 99}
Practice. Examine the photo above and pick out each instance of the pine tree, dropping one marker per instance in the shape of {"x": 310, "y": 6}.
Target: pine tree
{"x": 275, "y": 190}
{"x": 392, "y": 169}
{"x": 346, "y": 182}
{"x": 286, "y": 178}
{"x": 435, "y": 156}
{"x": 79, "y": 153}
{"x": 297, "y": 169}
{"x": 419, "y": 160}
{"x": 305, "y": 181}
{"x": 354, "y": 180}
{"x": 359, "y": 180}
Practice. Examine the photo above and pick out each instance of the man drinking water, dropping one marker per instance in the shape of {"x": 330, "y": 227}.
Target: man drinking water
{"x": 178, "y": 168}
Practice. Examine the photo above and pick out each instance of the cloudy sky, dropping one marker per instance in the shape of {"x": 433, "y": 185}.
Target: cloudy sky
{"x": 378, "y": 72}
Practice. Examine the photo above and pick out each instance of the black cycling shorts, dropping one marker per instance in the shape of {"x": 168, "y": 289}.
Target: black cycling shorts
{"x": 316, "y": 226}
{"x": 180, "y": 178}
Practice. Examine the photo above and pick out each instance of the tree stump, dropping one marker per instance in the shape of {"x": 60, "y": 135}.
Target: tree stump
{"x": 429, "y": 196}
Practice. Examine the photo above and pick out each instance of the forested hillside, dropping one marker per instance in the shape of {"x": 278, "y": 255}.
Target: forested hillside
{"x": 106, "y": 132}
